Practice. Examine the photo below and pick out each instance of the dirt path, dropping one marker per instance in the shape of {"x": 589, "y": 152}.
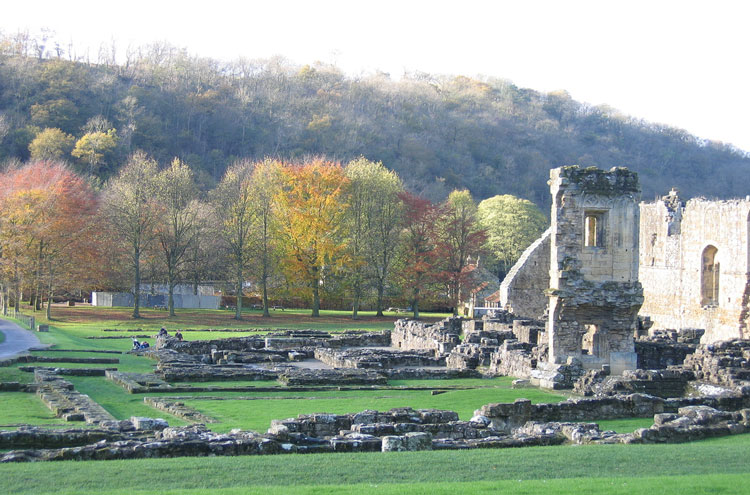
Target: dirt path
{"x": 17, "y": 340}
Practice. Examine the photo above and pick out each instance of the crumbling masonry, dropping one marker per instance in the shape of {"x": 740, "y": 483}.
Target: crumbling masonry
{"x": 594, "y": 293}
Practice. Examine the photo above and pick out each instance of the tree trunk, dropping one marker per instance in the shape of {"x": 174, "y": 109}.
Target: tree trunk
{"x": 171, "y": 284}
{"x": 355, "y": 308}
{"x": 355, "y": 305}
{"x": 49, "y": 306}
{"x": 17, "y": 287}
{"x": 264, "y": 282}
{"x": 137, "y": 283}
{"x": 238, "y": 292}
{"x": 49, "y": 294}
{"x": 381, "y": 291}
{"x": 415, "y": 304}
{"x": 456, "y": 298}
{"x": 170, "y": 300}
{"x": 316, "y": 292}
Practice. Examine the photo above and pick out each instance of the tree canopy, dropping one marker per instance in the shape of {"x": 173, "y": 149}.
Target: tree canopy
{"x": 438, "y": 132}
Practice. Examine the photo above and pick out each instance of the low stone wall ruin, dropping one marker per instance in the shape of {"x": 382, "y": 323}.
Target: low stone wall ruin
{"x": 65, "y": 402}
{"x": 394, "y": 430}
{"x": 723, "y": 363}
{"x": 440, "y": 337}
{"x": 509, "y": 416}
{"x": 377, "y": 359}
{"x": 659, "y": 355}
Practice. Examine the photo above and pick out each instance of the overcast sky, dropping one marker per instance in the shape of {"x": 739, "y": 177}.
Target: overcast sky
{"x": 681, "y": 63}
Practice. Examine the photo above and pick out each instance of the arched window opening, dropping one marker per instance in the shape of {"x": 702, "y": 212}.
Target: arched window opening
{"x": 709, "y": 277}
{"x": 593, "y": 228}
{"x": 590, "y": 230}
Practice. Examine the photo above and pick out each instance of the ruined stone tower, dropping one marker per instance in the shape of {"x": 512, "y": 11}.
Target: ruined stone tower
{"x": 594, "y": 293}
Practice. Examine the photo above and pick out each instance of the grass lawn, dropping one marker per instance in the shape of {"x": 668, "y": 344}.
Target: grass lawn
{"x": 713, "y": 466}
{"x": 86, "y": 320}
{"x": 716, "y": 466}
{"x": 256, "y": 411}
{"x": 626, "y": 425}
{"x": 23, "y": 408}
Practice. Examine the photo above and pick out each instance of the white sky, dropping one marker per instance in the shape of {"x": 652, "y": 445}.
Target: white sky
{"x": 681, "y": 63}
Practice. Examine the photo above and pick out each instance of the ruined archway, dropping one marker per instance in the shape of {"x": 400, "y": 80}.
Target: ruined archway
{"x": 710, "y": 276}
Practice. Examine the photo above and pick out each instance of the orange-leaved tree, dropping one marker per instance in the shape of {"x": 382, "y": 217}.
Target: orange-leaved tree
{"x": 48, "y": 213}
{"x": 417, "y": 255}
{"x": 311, "y": 211}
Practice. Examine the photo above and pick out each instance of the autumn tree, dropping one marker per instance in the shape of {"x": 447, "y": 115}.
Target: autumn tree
{"x": 512, "y": 224}
{"x": 130, "y": 213}
{"x": 50, "y": 211}
{"x": 373, "y": 227}
{"x": 417, "y": 248}
{"x": 311, "y": 217}
{"x": 458, "y": 237}
{"x": 94, "y": 147}
{"x": 177, "y": 220}
{"x": 233, "y": 208}
{"x": 51, "y": 144}
{"x": 265, "y": 186}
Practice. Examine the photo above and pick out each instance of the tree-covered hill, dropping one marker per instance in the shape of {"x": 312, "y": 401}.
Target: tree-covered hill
{"x": 438, "y": 132}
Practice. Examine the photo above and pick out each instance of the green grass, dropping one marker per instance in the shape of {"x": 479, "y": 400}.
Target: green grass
{"x": 2, "y": 337}
{"x": 257, "y": 413}
{"x": 116, "y": 401}
{"x": 24, "y": 408}
{"x": 712, "y": 466}
{"x": 86, "y": 320}
{"x": 499, "y": 382}
{"x": 626, "y": 425}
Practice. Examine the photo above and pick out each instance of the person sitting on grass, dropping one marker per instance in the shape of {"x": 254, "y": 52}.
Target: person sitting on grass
{"x": 136, "y": 344}
{"x": 178, "y": 335}
{"x": 162, "y": 332}
{"x": 144, "y": 345}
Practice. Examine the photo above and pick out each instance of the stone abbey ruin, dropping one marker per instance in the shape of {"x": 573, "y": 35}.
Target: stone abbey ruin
{"x": 638, "y": 310}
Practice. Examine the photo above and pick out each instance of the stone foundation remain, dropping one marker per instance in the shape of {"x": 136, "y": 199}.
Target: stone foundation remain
{"x": 65, "y": 402}
{"x": 494, "y": 426}
{"x": 441, "y": 337}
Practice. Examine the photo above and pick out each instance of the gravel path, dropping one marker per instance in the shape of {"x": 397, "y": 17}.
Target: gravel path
{"x": 17, "y": 340}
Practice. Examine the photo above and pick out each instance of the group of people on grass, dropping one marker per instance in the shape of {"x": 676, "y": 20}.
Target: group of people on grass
{"x": 139, "y": 346}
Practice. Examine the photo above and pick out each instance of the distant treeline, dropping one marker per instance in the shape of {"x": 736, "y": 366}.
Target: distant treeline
{"x": 439, "y": 133}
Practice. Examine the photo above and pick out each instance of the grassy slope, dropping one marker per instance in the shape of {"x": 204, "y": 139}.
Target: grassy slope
{"x": 712, "y": 466}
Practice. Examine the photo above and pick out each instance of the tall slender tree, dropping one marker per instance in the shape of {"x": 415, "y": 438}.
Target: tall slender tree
{"x": 233, "y": 207}
{"x": 311, "y": 216}
{"x": 417, "y": 249}
{"x": 177, "y": 224}
{"x": 512, "y": 224}
{"x": 458, "y": 238}
{"x": 265, "y": 186}
{"x": 130, "y": 212}
{"x": 373, "y": 223}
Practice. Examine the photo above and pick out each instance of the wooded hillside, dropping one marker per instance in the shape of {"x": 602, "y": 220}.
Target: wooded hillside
{"x": 438, "y": 132}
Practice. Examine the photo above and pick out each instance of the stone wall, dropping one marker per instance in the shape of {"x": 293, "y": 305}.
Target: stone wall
{"x": 509, "y": 416}
{"x": 65, "y": 402}
{"x": 440, "y": 337}
{"x": 723, "y": 363}
{"x": 522, "y": 289}
{"x": 673, "y": 237}
{"x": 377, "y": 359}
{"x": 493, "y": 426}
{"x": 594, "y": 293}
{"x": 656, "y": 355}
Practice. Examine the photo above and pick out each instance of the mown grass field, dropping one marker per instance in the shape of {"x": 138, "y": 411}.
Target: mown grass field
{"x": 714, "y": 466}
